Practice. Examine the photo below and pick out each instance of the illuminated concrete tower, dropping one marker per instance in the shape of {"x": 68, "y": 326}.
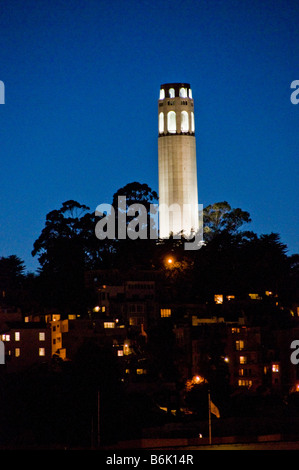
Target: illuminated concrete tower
{"x": 177, "y": 161}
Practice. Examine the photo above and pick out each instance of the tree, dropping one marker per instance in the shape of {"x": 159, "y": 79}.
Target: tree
{"x": 264, "y": 263}
{"x": 135, "y": 194}
{"x": 220, "y": 216}
{"x": 12, "y": 275}
{"x": 63, "y": 250}
{"x": 63, "y": 224}
{"x": 135, "y": 246}
{"x": 293, "y": 286}
{"x": 11, "y": 269}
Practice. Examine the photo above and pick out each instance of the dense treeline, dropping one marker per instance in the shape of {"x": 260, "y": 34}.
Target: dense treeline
{"x": 232, "y": 261}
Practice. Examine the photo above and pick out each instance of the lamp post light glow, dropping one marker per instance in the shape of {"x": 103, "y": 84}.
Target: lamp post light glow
{"x": 169, "y": 262}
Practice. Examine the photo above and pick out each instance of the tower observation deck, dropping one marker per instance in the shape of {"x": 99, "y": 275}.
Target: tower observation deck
{"x": 178, "y": 193}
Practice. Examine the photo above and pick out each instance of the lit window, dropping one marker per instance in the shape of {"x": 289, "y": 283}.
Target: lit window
{"x": 171, "y": 122}
{"x": 41, "y": 352}
{"x": 235, "y": 330}
{"x": 275, "y": 367}
{"x": 140, "y": 371}
{"x": 230, "y": 297}
{"x": 17, "y": 352}
{"x": 244, "y": 383}
{"x": 162, "y": 94}
{"x": 6, "y": 338}
{"x": 26, "y": 319}
{"x": 183, "y": 92}
{"x": 254, "y": 296}
{"x": 120, "y": 353}
{"x": 218, "y": 299}
{"x": 41, "y": 336}
{"x": 161, "y": 123}
{"x": 17, "y": 336}
{"x": 239, "y": 345}
{"x": 171, "y": 93}
{"x": 192, "y": 122}
{"x": 109, "y": 324}
{"x": 184, "y": 121}
{"x": 165, "y": 312}
{"x": 243, "y": 360}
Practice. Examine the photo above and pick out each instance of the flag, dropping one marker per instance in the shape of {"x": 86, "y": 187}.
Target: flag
{"x": 214, "y": 409}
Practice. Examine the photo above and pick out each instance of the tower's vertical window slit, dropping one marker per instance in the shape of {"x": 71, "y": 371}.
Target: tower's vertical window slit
{"x": 192, "y": 122}
{"x": 184, "y": 121}
{"x": 171, "y": 122}
{"x": 161, "y": 123}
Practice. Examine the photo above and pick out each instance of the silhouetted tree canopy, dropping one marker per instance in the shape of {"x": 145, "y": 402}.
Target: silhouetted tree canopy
{"x": 220, "y": 216}
{"x": 231, "y": 261}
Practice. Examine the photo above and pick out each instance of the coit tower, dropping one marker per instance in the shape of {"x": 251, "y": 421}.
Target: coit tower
{"x": 178, "y": 196}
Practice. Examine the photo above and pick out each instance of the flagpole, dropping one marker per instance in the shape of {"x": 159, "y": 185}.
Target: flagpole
{"x": 98, "y": 430}
{"x": 210, "y": 427}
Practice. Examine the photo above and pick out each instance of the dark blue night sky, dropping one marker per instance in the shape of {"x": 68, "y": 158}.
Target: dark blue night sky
{"x": 82, "y": 81}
